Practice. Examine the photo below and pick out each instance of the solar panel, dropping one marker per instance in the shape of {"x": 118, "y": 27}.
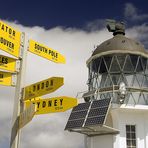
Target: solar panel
{"x": 95, "y": 120}
{"x": 78, "y": 115}
{"x": 97, "y": 111}
{"x": 74, "y": 124}
{"x": 100, "y": 103}
{"x": 88, "y": 114}
{"x": 82, "y": 106}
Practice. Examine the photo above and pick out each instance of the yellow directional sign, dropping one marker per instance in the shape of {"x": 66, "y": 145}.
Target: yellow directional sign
{"x": 52, "y": 105}
{"x": 7, "y": 79}
{"x": 43, "y": 87}
{"x": 45, "y": 52}
{"x": 9, "y": 39}
{"x": 7, "y": 63}
{"x": 27, "y": 115}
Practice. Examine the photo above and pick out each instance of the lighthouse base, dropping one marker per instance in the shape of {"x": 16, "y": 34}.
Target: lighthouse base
{"x": 104, "y": 141}
{"x": 132, "y": 123}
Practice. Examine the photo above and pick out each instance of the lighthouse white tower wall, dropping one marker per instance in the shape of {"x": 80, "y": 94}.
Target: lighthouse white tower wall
{"x": 102, "y": 141}
{"x": 137, "y": 116}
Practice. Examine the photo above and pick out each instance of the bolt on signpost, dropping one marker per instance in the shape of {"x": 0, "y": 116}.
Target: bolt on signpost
{"x": 26, "y": 103}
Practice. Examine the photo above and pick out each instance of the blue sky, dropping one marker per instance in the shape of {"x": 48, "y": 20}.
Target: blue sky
{"x": 69, "y": 13}
{"x": 73, "y": 28}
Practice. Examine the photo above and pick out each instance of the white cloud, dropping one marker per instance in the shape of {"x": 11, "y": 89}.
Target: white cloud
{"x": 131, "y": 13}
{"x": 95, "y": 25}
{"x": 76, "y": 45}
{"x": 140, "y": 33}
{"x": 47, "y": 131}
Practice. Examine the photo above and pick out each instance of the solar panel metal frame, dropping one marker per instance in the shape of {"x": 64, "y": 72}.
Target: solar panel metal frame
{"x": 87, "y": 108}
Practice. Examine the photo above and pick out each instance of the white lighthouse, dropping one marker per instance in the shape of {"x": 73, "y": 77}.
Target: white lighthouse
{"x": 115, "y": 112}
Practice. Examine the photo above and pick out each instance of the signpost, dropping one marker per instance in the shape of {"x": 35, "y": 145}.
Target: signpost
{"x": 13, "y": 42}
{"x": 9, "y": 39}
{"x": 43, "y": 87}
{"x": 52, "y": 105}
{"x": 18, "y": 100}
{"x": 27, "y": 115}
{"x": 45, "y": 52}
{"x": 9, "y": 64}
{"x": 7, "y": 79}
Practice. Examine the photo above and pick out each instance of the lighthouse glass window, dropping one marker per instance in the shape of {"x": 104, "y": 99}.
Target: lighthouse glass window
{"x": 131, "y": 136}
{"x": 110, "y": 70}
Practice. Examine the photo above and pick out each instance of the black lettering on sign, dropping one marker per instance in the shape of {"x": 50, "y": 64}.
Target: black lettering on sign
{"x": 55, "y": 102}
{"x": 6, "y": 43}
{"x": 49, "y": 103}
{"x": 1, "y": 76}
{"x": 61, "y": 102}
{"x": 56, "y": 55}
{"x": 7, "y": 29}
{"x": 3, "y": 27}
{"x": 47, "y": 83}
{"x": 4, "y": 60}
{"x": 58, "y": 108}
{"x": 40, "y": 48}
{"x": 42, "y": 85}
{"x": 46, "y": 50}
{"x": 44, "y": 104}
{"x": 38, "y": 87}
{"x": 38, "y": 104}
{"x": 34, "y": 88}
{"x": 49, "y": 51}
{"x": 53, "y": 53}
{"x": 35, "y": 46}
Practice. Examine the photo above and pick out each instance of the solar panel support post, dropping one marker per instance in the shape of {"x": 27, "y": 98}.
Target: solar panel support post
{"x": 18, "y": 100}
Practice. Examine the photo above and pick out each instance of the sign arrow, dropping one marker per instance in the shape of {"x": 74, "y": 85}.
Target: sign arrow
{"x": 9, "y": 39}
{"x": 52, "y": 105}
{"x": 43, "y": 87}
{"x": 45, "y": 52}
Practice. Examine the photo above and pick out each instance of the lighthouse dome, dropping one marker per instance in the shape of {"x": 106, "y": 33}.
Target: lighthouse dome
{"x": 119, "y": 44}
